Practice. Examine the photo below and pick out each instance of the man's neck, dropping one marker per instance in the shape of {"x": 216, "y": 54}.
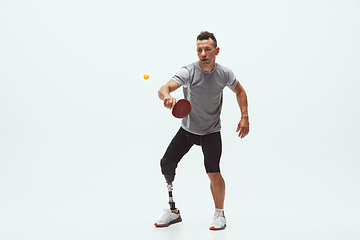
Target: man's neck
{"x": 207, "y": 68}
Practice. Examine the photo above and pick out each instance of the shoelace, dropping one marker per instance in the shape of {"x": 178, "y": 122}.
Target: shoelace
{"x": 218, "y": 218}
{"x": 166, "y": 215}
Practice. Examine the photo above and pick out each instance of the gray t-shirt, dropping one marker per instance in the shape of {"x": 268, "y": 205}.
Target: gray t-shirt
{"x": 205, "y": 92}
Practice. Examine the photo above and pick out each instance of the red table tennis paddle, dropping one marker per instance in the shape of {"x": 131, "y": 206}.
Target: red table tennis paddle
{"x": 181, "y": 109}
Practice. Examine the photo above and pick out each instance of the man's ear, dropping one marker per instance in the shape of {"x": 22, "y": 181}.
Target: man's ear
{"x": 217, "y": 50}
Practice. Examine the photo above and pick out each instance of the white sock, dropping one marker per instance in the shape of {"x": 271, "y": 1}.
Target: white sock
{"x": 219, "y": 211}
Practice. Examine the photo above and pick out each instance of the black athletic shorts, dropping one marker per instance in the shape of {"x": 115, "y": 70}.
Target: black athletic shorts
{"x": 211, "y": 146}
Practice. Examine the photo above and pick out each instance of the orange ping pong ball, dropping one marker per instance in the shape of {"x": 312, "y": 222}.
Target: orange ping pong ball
{"x": 146, "y": 77}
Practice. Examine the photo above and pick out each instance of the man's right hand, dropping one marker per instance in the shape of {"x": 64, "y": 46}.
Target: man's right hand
{"x": 164, "y": 93}
{"x": 169, "y": 102}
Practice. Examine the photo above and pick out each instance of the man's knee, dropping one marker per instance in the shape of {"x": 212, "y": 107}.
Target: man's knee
{"x": 216, "y": 178}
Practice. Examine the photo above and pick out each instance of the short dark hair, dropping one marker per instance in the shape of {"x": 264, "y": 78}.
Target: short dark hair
{"x": 204, "y": 35}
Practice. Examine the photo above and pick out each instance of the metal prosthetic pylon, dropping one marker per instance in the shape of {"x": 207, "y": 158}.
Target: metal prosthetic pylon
{"x": 171, "y": 200}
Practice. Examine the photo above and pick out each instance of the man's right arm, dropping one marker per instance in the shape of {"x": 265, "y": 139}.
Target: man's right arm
{"x": 164, "y": 93}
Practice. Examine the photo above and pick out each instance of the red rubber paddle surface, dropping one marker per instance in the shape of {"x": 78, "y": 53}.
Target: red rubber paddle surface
{"x": 182, "y": 108}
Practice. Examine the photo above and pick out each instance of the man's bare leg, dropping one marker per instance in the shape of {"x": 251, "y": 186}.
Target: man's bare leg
{"x": 217, "y": 186}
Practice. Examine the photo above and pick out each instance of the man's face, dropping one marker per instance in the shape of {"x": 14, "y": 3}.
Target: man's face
{"x": 206, "y": 52}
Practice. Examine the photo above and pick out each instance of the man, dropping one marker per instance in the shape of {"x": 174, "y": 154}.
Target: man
{"x": 203, "y": 83}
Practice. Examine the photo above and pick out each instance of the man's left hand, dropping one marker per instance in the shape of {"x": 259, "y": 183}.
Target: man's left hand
{"x": 243, "y": 127}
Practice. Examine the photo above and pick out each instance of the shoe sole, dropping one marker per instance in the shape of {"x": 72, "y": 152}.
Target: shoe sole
{"x": 217, "y": 229}
{"x": 162, "y": 226}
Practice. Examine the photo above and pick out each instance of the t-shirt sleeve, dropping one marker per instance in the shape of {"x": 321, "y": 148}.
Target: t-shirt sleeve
{"x": 182, "y": 77}
{"x": 232, "y": 82}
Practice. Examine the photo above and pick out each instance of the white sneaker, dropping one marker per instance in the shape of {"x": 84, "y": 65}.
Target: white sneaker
{"x": 168, "y": 219}
{"x": 219, "y": 222}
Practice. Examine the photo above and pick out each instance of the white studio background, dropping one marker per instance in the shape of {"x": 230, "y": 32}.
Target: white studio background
{"x": 81, "y": 132}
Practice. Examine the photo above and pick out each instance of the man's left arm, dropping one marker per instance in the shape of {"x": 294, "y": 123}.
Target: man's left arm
{"x": 243, "y": 126}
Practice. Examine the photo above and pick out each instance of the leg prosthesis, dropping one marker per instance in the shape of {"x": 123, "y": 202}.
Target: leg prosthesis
{"x": 168, "y": 170}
